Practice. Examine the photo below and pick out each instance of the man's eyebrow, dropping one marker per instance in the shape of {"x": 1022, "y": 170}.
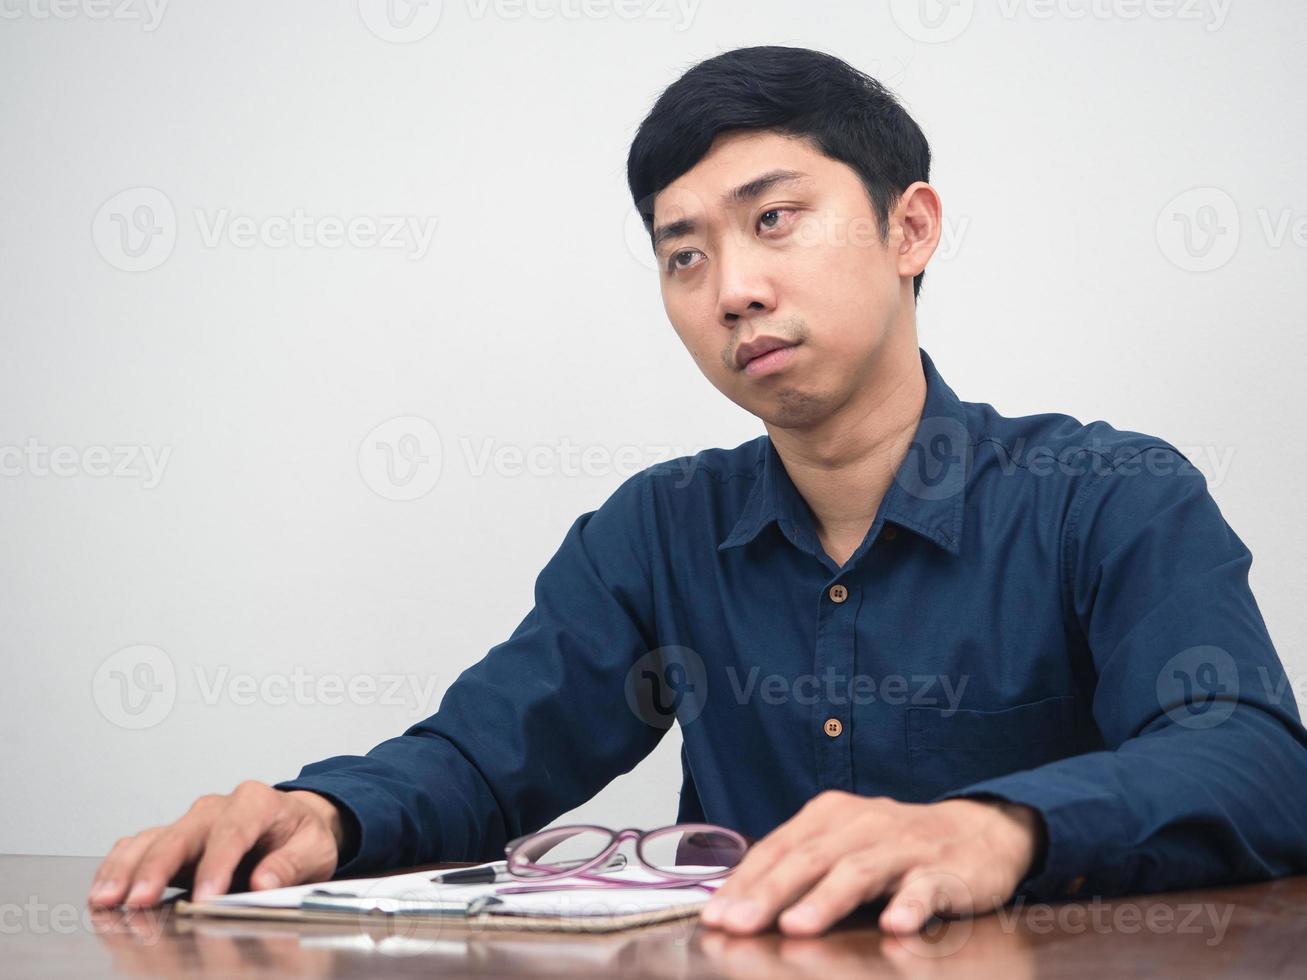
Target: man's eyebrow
{"x": 760, "y": 185}
{"x": 743, "y": 194}
{"x": 673, "y": 229}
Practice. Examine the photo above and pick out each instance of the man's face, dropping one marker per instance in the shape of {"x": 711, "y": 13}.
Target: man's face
{"x": 796, "y": 260}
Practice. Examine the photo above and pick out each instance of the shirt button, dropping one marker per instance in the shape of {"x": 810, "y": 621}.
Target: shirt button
{"x": 890, "y": 532}
{"x": 1075, "y": 884}
{"x": 838, "y": 593}
{"x": 833, "y": 727}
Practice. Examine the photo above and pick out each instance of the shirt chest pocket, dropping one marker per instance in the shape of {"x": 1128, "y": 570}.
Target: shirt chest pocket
{"x": 949, "y": 749}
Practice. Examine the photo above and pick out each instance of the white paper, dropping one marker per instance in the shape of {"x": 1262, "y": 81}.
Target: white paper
{"x": 565, "y": 901}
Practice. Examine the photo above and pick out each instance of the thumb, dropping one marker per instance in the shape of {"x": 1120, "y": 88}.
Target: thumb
{"x": 307, "y": 855}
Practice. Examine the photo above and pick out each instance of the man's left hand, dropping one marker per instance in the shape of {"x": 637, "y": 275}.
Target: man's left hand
{"x": 952, "y": 858}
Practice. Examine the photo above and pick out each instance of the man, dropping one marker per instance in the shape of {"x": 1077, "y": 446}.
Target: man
{"x": 924, "y": 651}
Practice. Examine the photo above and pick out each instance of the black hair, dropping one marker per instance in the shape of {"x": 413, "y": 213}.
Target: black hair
{"x": 848, "y": 116}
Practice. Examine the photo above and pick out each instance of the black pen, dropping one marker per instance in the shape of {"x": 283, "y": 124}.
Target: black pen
{"x": 497, "y": 871}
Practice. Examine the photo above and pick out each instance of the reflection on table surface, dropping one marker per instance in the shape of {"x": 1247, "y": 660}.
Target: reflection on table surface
{"x": 1253, "y": 930}
{"x": 159, "y": 943}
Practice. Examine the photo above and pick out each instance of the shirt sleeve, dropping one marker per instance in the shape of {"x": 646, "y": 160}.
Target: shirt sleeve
{"x": 536, "y": 727}
{"x": 1204, "y": 778}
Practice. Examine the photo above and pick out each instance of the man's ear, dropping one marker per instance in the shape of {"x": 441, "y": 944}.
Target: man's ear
{"x": 916, "y": 224}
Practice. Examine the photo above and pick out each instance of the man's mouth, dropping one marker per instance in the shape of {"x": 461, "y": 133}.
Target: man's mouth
{"x": 764, "y": 355}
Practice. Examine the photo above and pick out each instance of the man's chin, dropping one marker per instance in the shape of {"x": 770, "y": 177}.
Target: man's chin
{"x": 792, "y": 408}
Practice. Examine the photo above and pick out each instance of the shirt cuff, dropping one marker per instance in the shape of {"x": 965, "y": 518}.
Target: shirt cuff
{"x": 1084, "y": 826}
{"x": 376, "y": 818}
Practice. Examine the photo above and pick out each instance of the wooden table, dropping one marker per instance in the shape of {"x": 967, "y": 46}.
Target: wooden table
{"x": 1260, "y": 930}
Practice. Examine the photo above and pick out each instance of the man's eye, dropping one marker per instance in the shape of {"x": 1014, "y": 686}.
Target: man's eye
{"x": 677, "y": 260}
{"x": 771, "y": 219}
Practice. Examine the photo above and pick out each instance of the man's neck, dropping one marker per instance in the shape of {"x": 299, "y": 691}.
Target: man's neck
{"x": 845, "y": 467}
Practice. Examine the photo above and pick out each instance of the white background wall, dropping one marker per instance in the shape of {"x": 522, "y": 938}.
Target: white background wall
{"x": 1062, "y": 143}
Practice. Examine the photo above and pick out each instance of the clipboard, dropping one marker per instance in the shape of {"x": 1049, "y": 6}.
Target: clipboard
{"x": 485, "y": 920}
{"x": 413, "y": 899}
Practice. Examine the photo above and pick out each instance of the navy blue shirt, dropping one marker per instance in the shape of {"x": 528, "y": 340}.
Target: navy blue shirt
{"x": 1042, "y": 611}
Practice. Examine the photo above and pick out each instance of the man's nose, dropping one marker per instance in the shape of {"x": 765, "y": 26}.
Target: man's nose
{"x": 743, "y": 288}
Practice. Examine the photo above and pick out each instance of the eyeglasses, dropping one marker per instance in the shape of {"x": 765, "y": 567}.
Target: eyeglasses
{"x": 682, "y": 855}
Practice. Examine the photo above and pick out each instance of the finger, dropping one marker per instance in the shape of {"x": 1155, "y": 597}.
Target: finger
{"x": 109, "y": 884}
{"x": 308, "y": 855}
{"x": 784, "y": 882}
{"x": 228, "y": 842}
{"x": 254, "y": 813}
{"x": 756, "y": 862}
{"x": 787, "y": 862}
{"x": 924, "y": 893}
{"x": 854, "y": 879}
{"x": 175, "y": 847}
{"x": 813, "y": 819}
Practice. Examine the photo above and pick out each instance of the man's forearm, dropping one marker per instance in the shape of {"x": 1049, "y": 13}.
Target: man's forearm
{"x": 1173, "y": 808}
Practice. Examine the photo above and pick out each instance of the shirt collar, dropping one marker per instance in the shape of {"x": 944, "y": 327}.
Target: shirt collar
{"x": 929, "y": 489}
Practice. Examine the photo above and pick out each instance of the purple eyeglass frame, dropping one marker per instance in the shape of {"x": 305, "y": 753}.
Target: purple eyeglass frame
{"x": 586, "y": 871}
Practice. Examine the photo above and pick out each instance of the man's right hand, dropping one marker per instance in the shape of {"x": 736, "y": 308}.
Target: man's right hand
{"x": 297, "y": 837}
